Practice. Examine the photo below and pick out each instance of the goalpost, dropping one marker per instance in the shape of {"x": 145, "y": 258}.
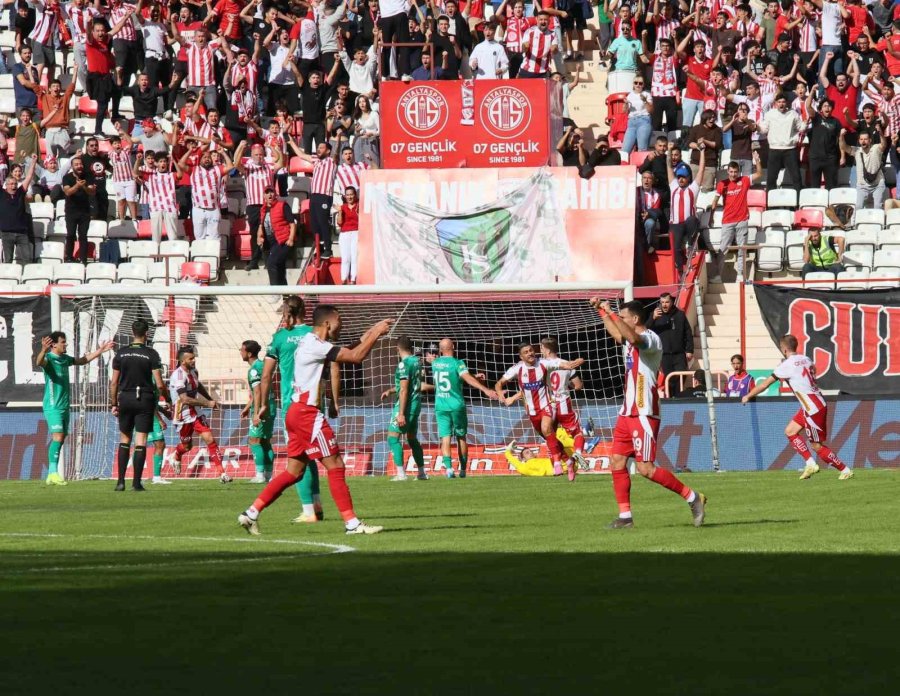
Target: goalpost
{"x": 487, "y": 323}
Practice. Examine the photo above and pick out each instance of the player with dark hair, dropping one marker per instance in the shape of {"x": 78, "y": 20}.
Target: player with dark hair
{"x": 799, "y": 373}
{"x": 637, "y": 426}
{"x": 309, "y": 435}
{"x": 561, "y": 383}
{"x": 133, "y": 393}
{"x": 188, "y": 394}
{"x": 260, "y": 433}
{"x": 55, "y": 362}
{"x": 405, "y": 415}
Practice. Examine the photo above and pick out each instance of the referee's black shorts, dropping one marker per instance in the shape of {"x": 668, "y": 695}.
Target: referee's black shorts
{"x": 136, "y": 414}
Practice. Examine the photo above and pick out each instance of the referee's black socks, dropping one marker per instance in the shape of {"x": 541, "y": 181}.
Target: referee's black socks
{"x": 124, "y": 452}
{"x": 137, "y": 462}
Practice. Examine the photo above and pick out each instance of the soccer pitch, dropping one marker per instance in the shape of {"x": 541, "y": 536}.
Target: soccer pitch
{"x": 504, "y": 585}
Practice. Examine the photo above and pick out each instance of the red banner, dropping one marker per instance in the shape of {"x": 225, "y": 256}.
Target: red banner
{"x": 470, "y": 123}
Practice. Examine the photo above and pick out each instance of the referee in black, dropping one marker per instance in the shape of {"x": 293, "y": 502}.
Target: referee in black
{"x": 136, "y": 381}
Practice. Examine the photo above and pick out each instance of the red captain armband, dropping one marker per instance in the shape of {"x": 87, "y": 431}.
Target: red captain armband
{"x": 612, "y": 315}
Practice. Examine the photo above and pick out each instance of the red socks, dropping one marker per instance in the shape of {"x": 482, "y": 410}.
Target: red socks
{"x": 622, "y": 489}
{"x": 667, "y": 479}
{"x": 278, "y": 485}
{"x": 579, "y": 443}
{"x": 180, "y": 451}
{"x": 337, "y": 484}
{"x": 800, "y": 446}
{"x": 215, "y": 456}
{"x": 555, "y": 448}
{"x": 829, "y": 456}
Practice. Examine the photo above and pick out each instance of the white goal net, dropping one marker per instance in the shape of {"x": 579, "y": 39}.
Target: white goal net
{"x": 487, "y": 327}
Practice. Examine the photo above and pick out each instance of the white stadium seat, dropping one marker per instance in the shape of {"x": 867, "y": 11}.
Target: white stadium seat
{"x": 892, "y": 219}
{"x": 842, "y": 196}
{"x": 10, "y": 272}
{"x": 782, "y": 198}
{"x": 43, "y": 211}
{"x": 132, "y": 273}
{"x": 37, "y": 272}
{"x": 819, "y": 275}
{"x": 68, "y": 272}
{"x": 851, "y": 274}
{"x": 207, "y": 250}
{"x": 156, "y": 272}
{"x": 889, "y": 238}
{"x": 178, "y": 250}
{"x": 865, "y": 238}
{"x": 97, "y": 229}
{"x": 53, "y": 251}
{"x": 794, "y": 242}
{"x": 859, "y": 257}
{"x": 100, "y": 274}
{"x": 771, "y": 253}
{"x": 868, "y": 216}
{"x": 777, "y": 219}
{"x": 814, "y": 198}
{"x": 142, "y": 251}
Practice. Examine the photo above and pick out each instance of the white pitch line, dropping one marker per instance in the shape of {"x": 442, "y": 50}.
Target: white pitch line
{"x": 332, "y": 550}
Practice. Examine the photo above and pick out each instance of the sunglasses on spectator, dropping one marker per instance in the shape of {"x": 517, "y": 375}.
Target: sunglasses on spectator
{"x": 638, "y": 82}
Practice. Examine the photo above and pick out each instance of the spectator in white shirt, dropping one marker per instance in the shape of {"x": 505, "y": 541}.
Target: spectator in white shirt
{"x": 488, "y": 59}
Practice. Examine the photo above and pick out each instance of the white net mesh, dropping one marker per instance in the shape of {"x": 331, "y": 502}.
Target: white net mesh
{"x": 486, "y": 327}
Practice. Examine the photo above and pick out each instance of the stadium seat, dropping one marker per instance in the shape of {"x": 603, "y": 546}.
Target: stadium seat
{"x": 637, "y": 158}
{"x": 159, "y": 272}
{"x": 87, "y": 106}
{"x": 757, "y": 199}
{"x": 43, "y": 211}
{"x": 770, "y": 258}
{"x": 299, "y": 184}
{"x": 782, "y": 198}
{"x": 242, "y": 247}
{"x": 91, "y": 253}
{"x": 35, "y": 285}
{"x": 9, "y": 286}
{"x": 715, "y": 228}
{"x": 178, "y": 250}
{"x": 842, "y": 196}
{"x": 704, "y": 200}
{"x": 37, "y": 272}
{"x": 808, "y": 282}
{"x": 196, "y": 271}
{"x": 122, "y": 229}
{"x": 793, "y": 243}
{"x": 815, "y": 198}
{"x": 859, "y": 257}
{"x": 207, "y": 250}
{"x": 98, "y": 229}
{"x": 53, "y": 251}
{"x": 10, "y": 272}
{"x": 68, "y": 272}
{"x": 892, "y": 218}
{"x": 887, "y": 257}
{"x": 868, "y": 216}
{"x": 889, "y": 238}
{"x": 807, "y": 219}
{"x": 777, "y": 219}
{"x": 142, "y": 251}
{"x": 754, "y": 225}
{"x": 237, "y": 205}
{"x": 865, "y": 238}
{"x": 100, "y": 273}
{"x": 298, "y": 165}
{"x": 845, "y": 278}
{"x": 132, "y": 273}
{"x": 884, "y": 277}
{"x": 40, "y": 228}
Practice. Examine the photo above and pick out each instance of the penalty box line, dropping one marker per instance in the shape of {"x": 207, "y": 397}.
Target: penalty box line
{"x": 331, "y": 550}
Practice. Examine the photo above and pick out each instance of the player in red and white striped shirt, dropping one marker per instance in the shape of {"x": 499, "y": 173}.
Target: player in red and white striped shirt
{"x": 160, "y": 186}
{"x": 516, "y": 24}
{"x": 799, "y": 373}
{"x": 123, "y": 177}
{"x": 538, "y": 47}
{"x": 349, "y": 170}
{"x": 637, "y": 426}
{"x": 258, "y": 175}
{"x": 560, "y": 382}
{"x": 532, "y": 377}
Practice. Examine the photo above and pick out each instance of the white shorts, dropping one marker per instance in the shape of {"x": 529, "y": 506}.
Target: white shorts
{"x": 126, "y": 190}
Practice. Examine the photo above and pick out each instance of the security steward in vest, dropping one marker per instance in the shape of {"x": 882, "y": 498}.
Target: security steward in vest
{"x": 133, "y": 395}
{"x": 823, "y": 252}
{"x": 278, "y": 232}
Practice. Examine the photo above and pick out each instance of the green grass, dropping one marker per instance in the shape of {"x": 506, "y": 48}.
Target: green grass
{"x": 504, "y": 586}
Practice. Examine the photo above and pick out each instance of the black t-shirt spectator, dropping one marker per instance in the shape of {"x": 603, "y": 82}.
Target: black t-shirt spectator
{"x": 784, "y": 63}
{"x": 146, "y": 104}
{"x": 823, "y": 138}
{"x": 96, "y": 167}
{"x": 598, "y": 159}
{"x": 713, "y": 134}
{"x": 135, "y": 364}
{"x": 78, "y": 203}
{"x": 862, "y": 127}
{"x": 14, "y": 211}
{"x": 415, "y": 53}
{"x": 25, "y": 24}
{"x": 657, "y": 166}
{"x": 866, "y": 58}
{"x": 442, "y": 44}
{"x": 313, "y": 103}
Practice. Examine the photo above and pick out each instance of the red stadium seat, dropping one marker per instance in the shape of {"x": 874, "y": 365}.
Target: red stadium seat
{"x": 143, "y": 230}
{"x": 196, "y": 271}
{"x": 243, "y": 247}
{"x": 305, "y": 222}
{"x": 92, "y": 250}
{"x": 298, "y": 165}
{"x": 615, "y": 105}
{"x": 637, "y": 158}
{"x": 756, "y": 199}
{"x": 809, "y": 219}
{"x": 87, "y": 106}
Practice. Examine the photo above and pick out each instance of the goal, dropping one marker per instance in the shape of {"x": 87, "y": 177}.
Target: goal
{"x": 486, "y": 324}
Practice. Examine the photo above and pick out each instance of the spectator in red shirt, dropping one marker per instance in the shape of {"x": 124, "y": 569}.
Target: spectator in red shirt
{"x": 735, "y": 215}
{"x": 699, "y": 66}
{"x": 228, "y": 13}
{"x": 348, "y": 223}
{"x": 845, "y": 90}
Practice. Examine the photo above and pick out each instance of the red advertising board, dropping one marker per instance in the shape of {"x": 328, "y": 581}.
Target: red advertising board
{"x": 443, "y": 124}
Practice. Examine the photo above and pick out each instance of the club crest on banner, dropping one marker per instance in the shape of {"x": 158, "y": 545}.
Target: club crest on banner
{"x": 422, "y": 112}
{"x": 506, "y": 112}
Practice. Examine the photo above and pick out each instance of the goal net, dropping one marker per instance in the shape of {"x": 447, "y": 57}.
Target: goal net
{"x": 487, "y": 327}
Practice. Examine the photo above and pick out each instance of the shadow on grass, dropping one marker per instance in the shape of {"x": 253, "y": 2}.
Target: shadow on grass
{"x": 739, "y": 523}
{"x": 426, "y": 517}
{"x": 456, "y": 623}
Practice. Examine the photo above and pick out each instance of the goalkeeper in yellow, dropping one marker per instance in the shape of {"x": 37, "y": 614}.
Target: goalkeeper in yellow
{"x": 525, "y": 461}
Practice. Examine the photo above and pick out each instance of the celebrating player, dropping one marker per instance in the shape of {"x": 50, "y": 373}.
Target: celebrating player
{"x": 799, "y": 373}
{"x": 281, "y": 351}
{"x": 157, "y": 438}
{"x": 637, "y": 426}
{"x": 134, "y": 390}
{"x": 188, "y": 394}
{"x": 55, "y": 362}
{"x": 405, "y": 416}
{"x": 448, "y": 373}
{"x": 260, "y": 435}
{"x": 531, "y": 374}
{"x": 560, "y": 381}
{"x": 309, "y": 435}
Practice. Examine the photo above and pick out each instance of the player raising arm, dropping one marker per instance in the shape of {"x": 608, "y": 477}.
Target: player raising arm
{"x": 449, "y": 373}
{"x": 259, "y": 436}
{"x": 405, "y": 416}
{"x": 309, "y": 435}
{"x": 531, "y": 375}
{"x": 637, "y": 426}
{"x": 799, "y": 373}
{"x": 55, "y": 362}
{"x": 562, "y": 382}
{"x": 189, "y": 394}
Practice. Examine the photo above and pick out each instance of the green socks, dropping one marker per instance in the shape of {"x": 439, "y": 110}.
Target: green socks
{"x": 269, "y": 460}
{"x": 308, "y": 486}
{"x": 53, "y": 456}
{"x": 396, "y": 451}
{"x": 462, "y": 462}
{"x": 259, "y": 458}
{"x": 448, "y": 463}
{"x": 157, "y": 463}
